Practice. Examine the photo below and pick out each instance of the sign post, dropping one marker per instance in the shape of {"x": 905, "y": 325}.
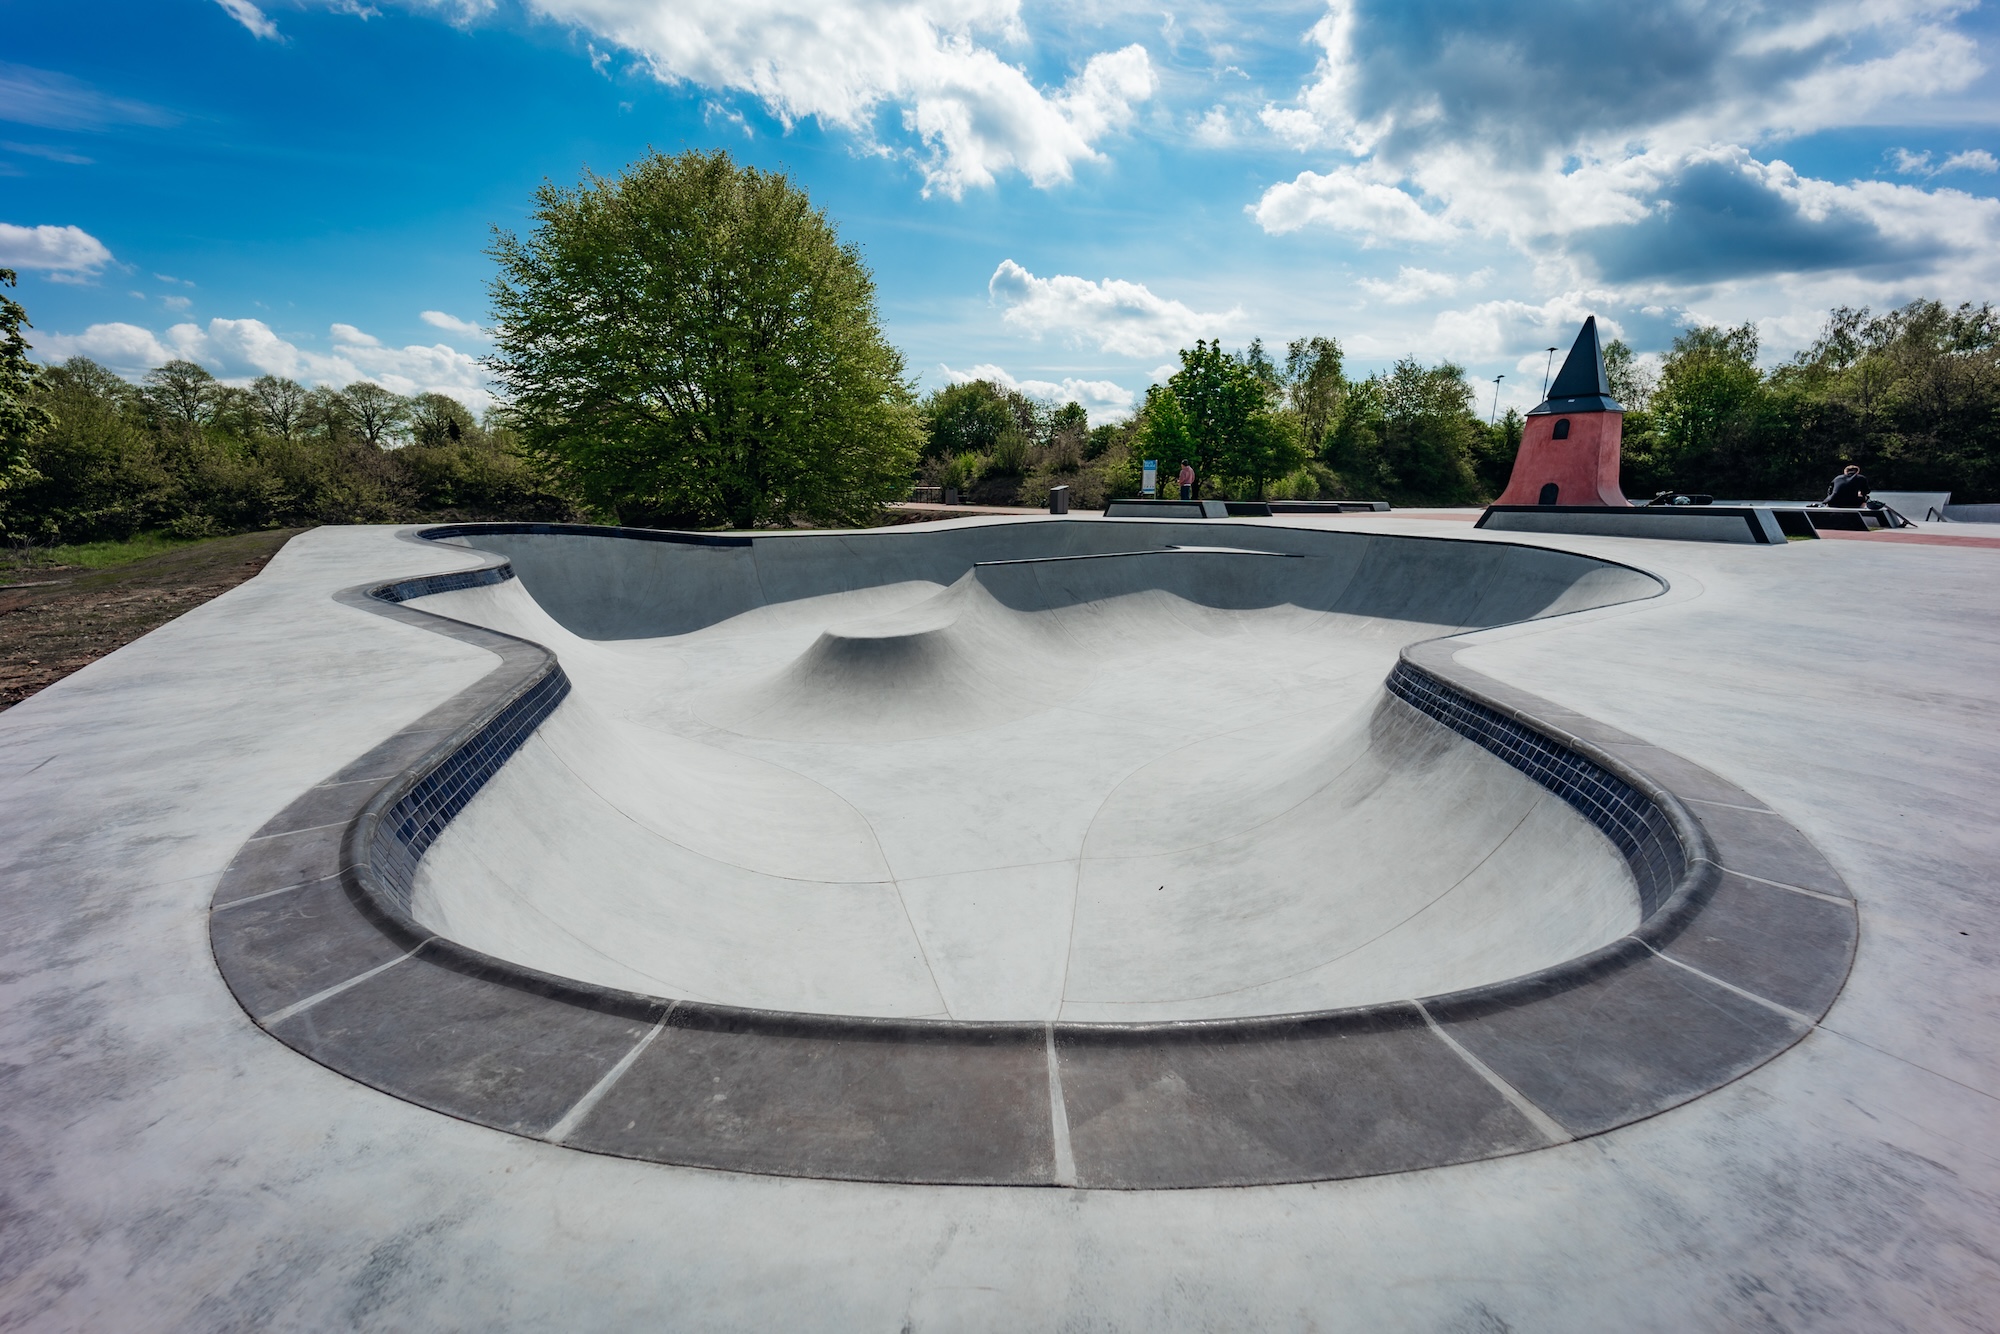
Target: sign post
{"x": 1149, "y": 477}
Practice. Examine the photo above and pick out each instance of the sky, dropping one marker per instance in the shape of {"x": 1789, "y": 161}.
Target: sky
{"x": 1055, "y": 196}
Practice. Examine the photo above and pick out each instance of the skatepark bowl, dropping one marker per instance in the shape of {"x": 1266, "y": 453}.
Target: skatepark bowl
{"x": 1127, "y": 854}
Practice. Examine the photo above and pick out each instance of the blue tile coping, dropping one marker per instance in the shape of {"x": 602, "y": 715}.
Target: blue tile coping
{"x": 1746, "y": 938}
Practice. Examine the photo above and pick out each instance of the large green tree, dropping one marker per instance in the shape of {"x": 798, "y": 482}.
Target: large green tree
{"x": 967, "y": 418}
{"x": 22, "y": 419}
{"x": 691, "y": 343}
{"x": 1218, "y": 414}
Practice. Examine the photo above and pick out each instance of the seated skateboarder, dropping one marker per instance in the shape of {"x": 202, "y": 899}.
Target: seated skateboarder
{"x": 1849, "y": 490}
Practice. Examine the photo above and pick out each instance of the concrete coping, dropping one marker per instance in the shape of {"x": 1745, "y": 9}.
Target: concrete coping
{"x": 1746, "y": 939}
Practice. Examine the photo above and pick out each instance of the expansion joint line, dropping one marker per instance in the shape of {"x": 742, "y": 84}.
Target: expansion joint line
{"x": 587, "y": 1104}
{"x": 1551, "y": 1129}
{"x": 1058, "y": 1114}
{"x": 298, "y": 1007}
{"x": 1764, "y": 1001}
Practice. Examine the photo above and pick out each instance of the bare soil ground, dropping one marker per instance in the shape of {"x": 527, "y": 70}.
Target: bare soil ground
{"x": 55, "y": 620}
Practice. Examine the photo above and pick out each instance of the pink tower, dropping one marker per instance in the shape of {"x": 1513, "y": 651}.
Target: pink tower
{"x": 1569, "y": 449}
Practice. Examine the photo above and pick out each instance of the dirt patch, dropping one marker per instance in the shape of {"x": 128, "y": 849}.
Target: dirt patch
{"x": 55, "y": 621}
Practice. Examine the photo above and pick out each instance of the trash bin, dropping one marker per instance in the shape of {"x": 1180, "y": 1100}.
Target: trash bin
{"x": 951, "y": 495}
{"x": 1058, "y": 500}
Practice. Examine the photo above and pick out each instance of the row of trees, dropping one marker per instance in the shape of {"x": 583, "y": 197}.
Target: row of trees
{"x": 1249, "y": 425}
{"x": 690, "y": 344}
{"x": 1912, "y": 396}
{"x": 91, "y": 457}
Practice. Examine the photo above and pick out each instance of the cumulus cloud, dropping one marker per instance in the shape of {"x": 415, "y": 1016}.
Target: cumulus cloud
{"x": 842, "y": 62}
{"x": 240, "y": 350}
{"x": 1104, "y": 400}
{"x": 1215, "y": 128}
{"x": 1123, "y": 318}
{"x": 67, "y": 254}
{"x": 1648, "y": 164}
{"x": 250, "y": 17}
{"x": 1920, "y": 164}
{"x": 1412, "y": 285}
{"x": 437, "y": 319}
{"x": 1722, "y": 214}
{"x": 1494, "y": 329}
{"x": 1344, "y": 200}
{"x": 1523, "y": 80}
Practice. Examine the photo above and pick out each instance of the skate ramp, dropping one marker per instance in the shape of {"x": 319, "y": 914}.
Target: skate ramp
{"x": 1088, "y": 771}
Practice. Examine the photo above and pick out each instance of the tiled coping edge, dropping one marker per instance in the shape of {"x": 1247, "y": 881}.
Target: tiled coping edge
{"x": 1746, "y": 939}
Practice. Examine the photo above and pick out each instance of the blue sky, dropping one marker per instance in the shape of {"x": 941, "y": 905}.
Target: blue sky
{"x": 1056, "y": 195}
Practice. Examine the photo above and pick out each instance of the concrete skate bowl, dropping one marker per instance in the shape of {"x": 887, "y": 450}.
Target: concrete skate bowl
{"x": 1113, "y": 854}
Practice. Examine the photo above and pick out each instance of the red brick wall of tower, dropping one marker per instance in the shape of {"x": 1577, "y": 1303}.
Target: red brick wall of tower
{"x": 1584, "y": 467}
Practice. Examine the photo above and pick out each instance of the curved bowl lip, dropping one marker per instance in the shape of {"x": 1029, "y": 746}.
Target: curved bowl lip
{"x": 1698, "y": 878}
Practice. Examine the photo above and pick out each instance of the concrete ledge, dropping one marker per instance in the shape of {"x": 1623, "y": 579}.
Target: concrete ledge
{"x": 1677, "y": 523}
{"x": 1166, "y": 509}
{"x": 1746, "y": 939}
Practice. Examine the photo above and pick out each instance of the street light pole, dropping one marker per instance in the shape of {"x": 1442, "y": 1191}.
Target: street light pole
{"x": 1548, "y": 366}
{"x": 1496, "y": 399}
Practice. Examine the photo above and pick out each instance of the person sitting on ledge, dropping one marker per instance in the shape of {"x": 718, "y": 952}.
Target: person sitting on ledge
{"x": 1849, "y": 490}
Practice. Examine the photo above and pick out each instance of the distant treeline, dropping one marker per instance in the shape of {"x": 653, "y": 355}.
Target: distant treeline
{"x": 184, "y": 454}
{"x": 1912, "y": 396}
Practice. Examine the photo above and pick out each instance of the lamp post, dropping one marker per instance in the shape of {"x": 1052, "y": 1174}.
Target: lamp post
{"x": 1496, "y": 399}
{"x": 1548, "y": 366}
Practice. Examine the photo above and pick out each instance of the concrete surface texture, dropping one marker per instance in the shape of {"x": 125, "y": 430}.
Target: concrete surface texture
{"x": 170, "y": 1166}
{"x": 1065, "y": 783}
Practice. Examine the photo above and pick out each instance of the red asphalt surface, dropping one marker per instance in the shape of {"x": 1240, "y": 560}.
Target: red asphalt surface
{"x": 1915, "y": 539}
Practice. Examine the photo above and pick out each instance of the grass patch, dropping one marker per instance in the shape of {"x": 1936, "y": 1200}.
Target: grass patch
{"x": 21, "y": 562}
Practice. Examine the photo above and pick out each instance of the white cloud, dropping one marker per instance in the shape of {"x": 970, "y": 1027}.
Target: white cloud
{"x": 437, "y": 319}
{"x": 1399, "y": 77}
{"x": 1413, "y": 285}
{"x": 1104, "y": 400}
{"x": 1346, "y": 201}
{"x": 1496, "y": 329}
{"x": 125, "y": 348}
{"x": 239, "y": 350}
{"x": 68, "y": 254}
{"x": 1658, "y": 183}
{"x": 842, "y": 61}
{"x": 1215, "y": 128}
{"x": 1123, "y": 318}
{"x": 1920, "y": 164}
{"x": 176, "y": 302}
{"x": 250, "y": 17}
{"x": 1973, "y": 159}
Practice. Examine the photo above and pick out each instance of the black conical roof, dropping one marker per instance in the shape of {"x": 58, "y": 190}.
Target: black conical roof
{"x": 1581, "y": 385}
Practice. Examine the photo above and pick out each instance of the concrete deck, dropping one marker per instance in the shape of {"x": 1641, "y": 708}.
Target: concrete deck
{"x": 170, "y": 1166}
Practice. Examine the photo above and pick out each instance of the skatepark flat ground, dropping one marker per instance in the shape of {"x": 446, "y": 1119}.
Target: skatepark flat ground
{"x": 170, "y": 1166}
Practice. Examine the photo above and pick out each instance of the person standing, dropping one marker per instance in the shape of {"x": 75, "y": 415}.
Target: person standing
{"x": 1849, "y": 490}
{"x": 1187, "y": 480}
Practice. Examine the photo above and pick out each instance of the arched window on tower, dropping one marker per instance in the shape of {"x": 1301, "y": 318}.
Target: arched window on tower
{"x": 1562, "y": 429}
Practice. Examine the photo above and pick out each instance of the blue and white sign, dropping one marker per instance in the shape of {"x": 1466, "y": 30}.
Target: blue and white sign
{"x": 1149, "y": 477}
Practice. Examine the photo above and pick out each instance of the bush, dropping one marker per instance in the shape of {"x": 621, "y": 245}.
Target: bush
{"x": 189, "y": 457}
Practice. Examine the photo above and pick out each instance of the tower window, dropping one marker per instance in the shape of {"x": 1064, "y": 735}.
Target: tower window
{"x": 1562, "y": 429}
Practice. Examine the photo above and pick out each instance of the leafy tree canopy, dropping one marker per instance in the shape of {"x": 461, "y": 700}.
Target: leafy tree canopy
{"x": 967, "y": 418}
{"x": 21, "y": 418}
{"x": 1219, "y": 414}
{"x": 691, "y": 343}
